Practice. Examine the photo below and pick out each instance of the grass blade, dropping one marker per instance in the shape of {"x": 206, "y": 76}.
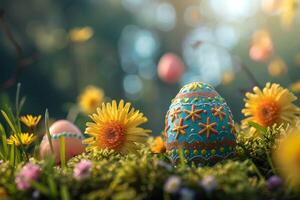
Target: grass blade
{"x": 62, "y": 151}
{"x": 258, "y": 127}
{"x": 4, "y": 142}
{"x": 12, "y": 155}
{"x": 52, "y": 186}
{"x": 65, "y": 195}
{"x": 43, "y": 189}
{"x": 8, "y": 121}
{"x": 47, "y": 130}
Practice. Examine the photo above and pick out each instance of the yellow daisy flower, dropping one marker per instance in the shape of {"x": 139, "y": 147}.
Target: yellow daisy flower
{"x": 91, "y": 98}
{"x": 116, "y": 127}
{"x": 24, "y": 138}
{"x": 30, "y": 121}
{"x": 272, "y": 105}
{"x": 287, "y": 155}
{"x": 159, "y": 145}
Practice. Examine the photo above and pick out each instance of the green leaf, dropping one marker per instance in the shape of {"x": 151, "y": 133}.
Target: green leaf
{"x": 47, "y": 130}
{"x": 65, "y": 195}
{"x": 258, "y": 127}
{"x": 62, "y": 151}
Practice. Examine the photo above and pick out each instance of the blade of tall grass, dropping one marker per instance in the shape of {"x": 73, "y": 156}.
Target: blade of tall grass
{"x": 41, "y": 188}
{"x": 12, "y": 155}
{"x": 65, "y": 195}
{"x": 8, "y": 120}
{"x": 4, "y": 142}
{"x": 47, "y": 130}
{"x": 62, "y": 151}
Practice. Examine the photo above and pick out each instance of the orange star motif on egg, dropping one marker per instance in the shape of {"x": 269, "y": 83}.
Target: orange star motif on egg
{"x": 208, "y": 128}
{"x": 175, "y": 113}
{"x": 179, "y": 128}
{"x": 217, "y": 112}
{"x": 193, "y": 114}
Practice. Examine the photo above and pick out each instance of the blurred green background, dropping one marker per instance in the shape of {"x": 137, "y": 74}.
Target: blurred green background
{"x": 122, "y": 43}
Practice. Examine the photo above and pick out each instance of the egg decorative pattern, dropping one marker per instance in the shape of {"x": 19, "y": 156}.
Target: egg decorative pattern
{"x": 200, "y": 124}
{"x": 73, "y": 140}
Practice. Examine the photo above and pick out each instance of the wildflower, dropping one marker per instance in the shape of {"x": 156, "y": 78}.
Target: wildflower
{"x": 116, "y": 127}
{"x": 286, "y": 157}
{"x": 159, "y": 145}
{"x": 172, "y": 184}
{"x": 28, "y": 173}
{"x": 82, "y": 170}
{"x": 272, "y": 105}
{"x": 22, "y": 138}
{"x": 90, "y": 99}
{"x": 81, "y": 34}
{"x": 164, "y": 164}
{"x": 274, "y": 182}
{"x": 36, "y": 194}
{"x": 209, "y": 183}
{"x": 187, "y": 194}
{"x": 30, "y": 121}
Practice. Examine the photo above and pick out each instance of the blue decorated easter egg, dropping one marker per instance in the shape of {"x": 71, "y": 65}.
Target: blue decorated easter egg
{"x": 200, "y": 124}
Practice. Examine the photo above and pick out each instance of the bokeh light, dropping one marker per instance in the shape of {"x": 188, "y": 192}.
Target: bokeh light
{"x": 206, "y": 62}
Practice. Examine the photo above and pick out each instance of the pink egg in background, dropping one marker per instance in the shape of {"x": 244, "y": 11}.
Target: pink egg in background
{"x": 170, "y": 68}
{"x": 73, "y": 140}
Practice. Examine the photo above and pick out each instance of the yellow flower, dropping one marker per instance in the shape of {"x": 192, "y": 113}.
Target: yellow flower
{"x": 295, "y": 87}
{"x": 287, "y": 157}
{"x": 25, "y": 138}
{"x": 116, "y": 127}
{"x": 159, "y": 145}
{"x": 272, "y": 105}
{"x": 288, "y": 12}
{"x": 81, "y": 34}
{"x": 30, "y": 121}
{"x": 91, "y": 98}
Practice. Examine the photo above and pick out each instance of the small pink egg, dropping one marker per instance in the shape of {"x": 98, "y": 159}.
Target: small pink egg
{"x": 73, "y": 140}
{"x": 170, "y": 68}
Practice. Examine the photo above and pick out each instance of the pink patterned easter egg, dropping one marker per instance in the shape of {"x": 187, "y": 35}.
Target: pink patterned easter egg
{"x": 170, "y": 68}
{"x": 73, "y": 140}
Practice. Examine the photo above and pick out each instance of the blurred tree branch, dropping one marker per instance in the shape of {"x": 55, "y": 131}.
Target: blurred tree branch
{"x": 22, "y": 62}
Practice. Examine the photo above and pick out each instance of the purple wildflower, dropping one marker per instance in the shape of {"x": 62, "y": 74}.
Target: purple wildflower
{"x": 274, "y": 182}
{"x": 187, "y": 194}
{"x": 209, "y": 183}
{"x": 82, "y": 170}
{"x": 172, "y": 184}
{"x": 28, "y": 173}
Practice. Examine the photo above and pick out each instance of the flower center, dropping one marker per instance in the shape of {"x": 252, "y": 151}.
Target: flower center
{"x": 267, "y": 112}
{"x": 113, "y": 135}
